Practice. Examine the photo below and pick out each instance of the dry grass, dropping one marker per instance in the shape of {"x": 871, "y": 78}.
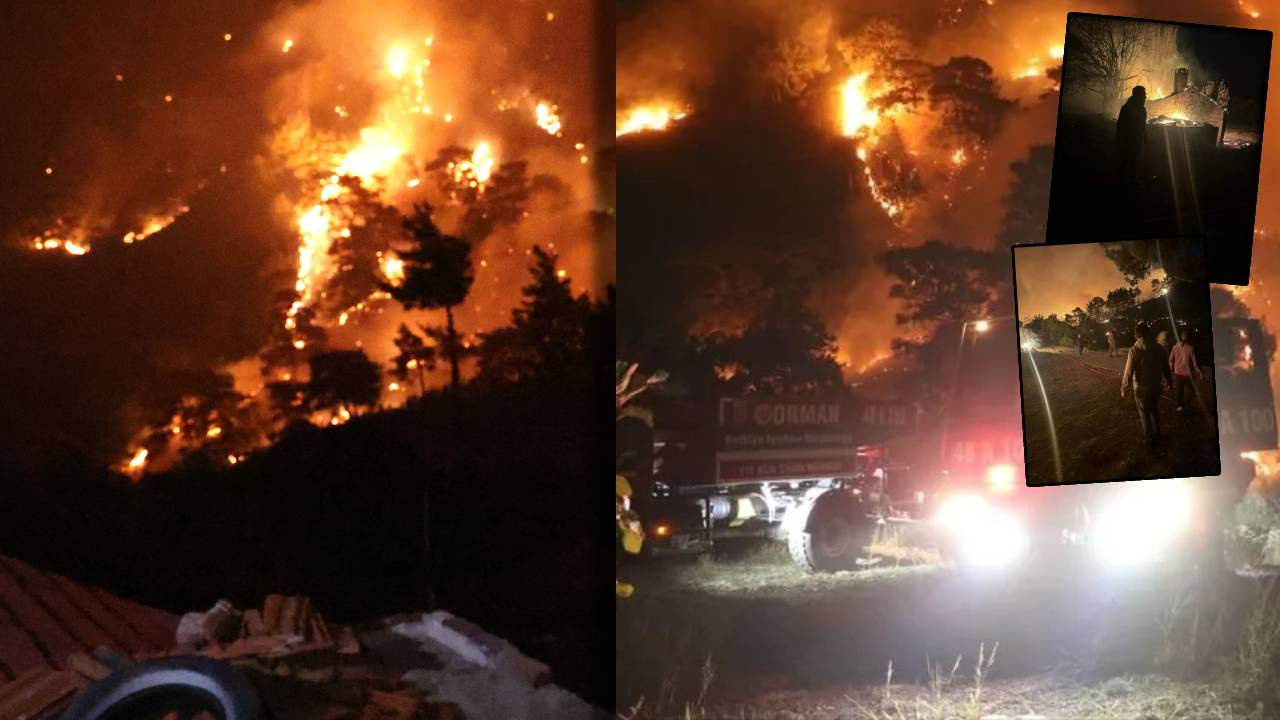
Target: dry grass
{"x": 769, "y": 573}
{"x": 955, "y": 696}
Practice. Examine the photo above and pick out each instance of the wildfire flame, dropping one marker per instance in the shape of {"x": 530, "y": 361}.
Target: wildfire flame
{"x": 857, "y": 115}
{"x": 1244, "y": 352}
{"x": 380, "y": 148}
{"x": 154, "y": 225}
{"x": 393, "y": 269}
{"x": 653, "y": 117}
{"x": 548, "y": 118}
{"x": 138, "y": 461}
{"x": 476, "y": 171}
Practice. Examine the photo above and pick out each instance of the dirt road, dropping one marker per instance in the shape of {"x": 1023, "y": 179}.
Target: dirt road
{"x": 1099, "y": 436}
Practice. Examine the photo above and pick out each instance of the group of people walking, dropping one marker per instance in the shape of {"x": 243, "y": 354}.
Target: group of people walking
{"x": 1153, "y": 365}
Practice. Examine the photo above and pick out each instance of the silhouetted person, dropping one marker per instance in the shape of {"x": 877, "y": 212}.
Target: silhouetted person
{"x": 1111, "y": 342}
{"x": 1079, "y": 344}
{"x": 1147, "y": 370}
{"x": 1131, "y": 133}
{"x": 1182, "y": 361}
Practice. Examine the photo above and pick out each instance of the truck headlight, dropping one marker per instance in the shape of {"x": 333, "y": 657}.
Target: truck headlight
{"x": 1142, "y": 521}
{"x": 981, "y": 532}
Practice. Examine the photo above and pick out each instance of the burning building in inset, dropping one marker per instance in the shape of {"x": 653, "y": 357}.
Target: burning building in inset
{"x": 1190, "y": 106}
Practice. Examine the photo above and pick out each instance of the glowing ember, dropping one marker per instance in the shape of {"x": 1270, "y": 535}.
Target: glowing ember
{"x": 476, "y": 171}
{"x": 1055, "y": 52}
{"x": 138, "y": 461}
{"x": 287, "y": 46}
{"x": 393, "y": 269}
{"x": 397, "y": 61}
{"x": 547, "y": 118}
{"x": 856, "y": 113}
{"x": 1244, "y": 352}
{"x": 649, "y": 118}
{"x": 154, "y": 225}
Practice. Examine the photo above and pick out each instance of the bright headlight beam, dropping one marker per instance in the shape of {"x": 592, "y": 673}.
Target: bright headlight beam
{"x": 984, "y": 534}
{"x": 1138, "y": 526}
{"x": 1048, "y": 411}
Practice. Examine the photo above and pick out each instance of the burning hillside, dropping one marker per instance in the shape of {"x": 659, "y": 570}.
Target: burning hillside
{"x": 867, "y": 127}
{"x": 288, "y": 145}
{"x": 818, "y": 135}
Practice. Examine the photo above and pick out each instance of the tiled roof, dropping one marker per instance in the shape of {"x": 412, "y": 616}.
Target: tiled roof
{"x": 45, "y": 618}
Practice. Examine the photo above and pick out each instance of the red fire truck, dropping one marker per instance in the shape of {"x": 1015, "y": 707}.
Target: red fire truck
{"x": 823, "y": 473}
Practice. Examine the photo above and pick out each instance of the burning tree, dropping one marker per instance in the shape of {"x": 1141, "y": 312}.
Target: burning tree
{"x": 415, "y": 356}
{"x": 437, "y": 275}
{"x": 343, "y": 380}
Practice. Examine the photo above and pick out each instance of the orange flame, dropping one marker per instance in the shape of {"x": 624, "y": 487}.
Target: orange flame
{"x": 652, "y": 117}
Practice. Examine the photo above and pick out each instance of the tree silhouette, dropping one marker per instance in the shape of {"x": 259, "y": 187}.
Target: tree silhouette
{"x": 1122, "y": 299}
{"x": 548, "y": 331}
{"x": 415, "y": 356}
{"x": 287, "y": 350}
{"x": 1137, "y": 259}
{"x": 288, "y": 399}
{"x": 437, "y": 275}
{"x": 1097, "y": 309}
{"x": 1026, "y": 207}
{"x": 1106, "y": 54}
{"x": 343, "y": 379}
{"x": 786, "y": 349}
{"x": 966, "y": 92}
{"x": 500, "y": 200}
{"x": 940, "y": 283}
{"x": 501, "y": 204}
{"x": 374, "y": 227}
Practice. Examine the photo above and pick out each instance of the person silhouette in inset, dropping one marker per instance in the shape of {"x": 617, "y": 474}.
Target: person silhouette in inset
{"x": 1131, "y": 133}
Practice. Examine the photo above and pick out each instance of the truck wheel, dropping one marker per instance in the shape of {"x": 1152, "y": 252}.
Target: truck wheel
{"x": 831, "y": 542}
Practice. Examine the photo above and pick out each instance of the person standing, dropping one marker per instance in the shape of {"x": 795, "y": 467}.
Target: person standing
{"x": 1131, "y": 133}
{"x": 1079, "y": 344}
{"x": 1182, "y": 361}
{"x": 1111, "y": 342}
{"x": 1147, "y": 371}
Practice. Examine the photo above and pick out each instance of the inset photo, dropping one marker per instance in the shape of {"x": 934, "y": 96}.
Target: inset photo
{"x": 1160, "y": 134}
{"x": 1116, "y": 361}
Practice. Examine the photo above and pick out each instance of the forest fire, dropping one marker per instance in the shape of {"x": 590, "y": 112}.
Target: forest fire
{"x": 341, "y": 135}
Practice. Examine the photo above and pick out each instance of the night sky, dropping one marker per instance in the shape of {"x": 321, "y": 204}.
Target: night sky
{"x": 1238, "y": 57}
{"x": 1058, "y": 278}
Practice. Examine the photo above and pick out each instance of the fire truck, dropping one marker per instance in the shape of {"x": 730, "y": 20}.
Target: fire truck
{"x": 810, "y": 471}
{"x": 824, "y": 474}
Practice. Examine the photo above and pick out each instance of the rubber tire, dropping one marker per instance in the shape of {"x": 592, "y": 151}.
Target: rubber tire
{"x": 835, "y": 543}
{"x": 218, "y": 680}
